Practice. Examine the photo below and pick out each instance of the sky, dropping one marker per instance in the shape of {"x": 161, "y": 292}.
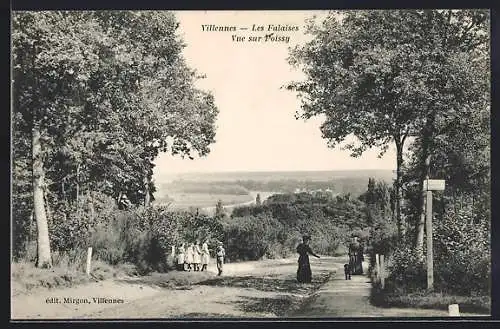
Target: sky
{"x": 256, "y": 127}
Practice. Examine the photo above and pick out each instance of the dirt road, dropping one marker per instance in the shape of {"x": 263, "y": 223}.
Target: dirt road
{"x": 263, "y": 289}
{"x": 249, "y": 289}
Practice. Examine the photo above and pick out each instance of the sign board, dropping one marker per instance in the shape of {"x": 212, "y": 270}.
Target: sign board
{"x": 434, "y": 184}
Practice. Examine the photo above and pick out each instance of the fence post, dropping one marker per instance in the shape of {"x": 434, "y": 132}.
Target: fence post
{"x": 89, "y": 259}
{"x": 453, "y": 310}
{"x": 172, "y": 253}
{"x": 377, "y": 267}
{"x": 382, "y": 271}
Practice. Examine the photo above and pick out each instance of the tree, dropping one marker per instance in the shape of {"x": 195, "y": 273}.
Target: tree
{"x": 100, "y": 94}
{"x": 257, "y": 200}
{"x": 50, "y": 70}
{"x": 383, "y": 76}
{"x": 220, "y": 212}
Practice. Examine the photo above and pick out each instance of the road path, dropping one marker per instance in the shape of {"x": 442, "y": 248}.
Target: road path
{"x": 263, "y": 289}
{"x": 248, "y": 289}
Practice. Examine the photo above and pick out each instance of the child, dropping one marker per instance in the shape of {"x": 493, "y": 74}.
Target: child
{"x": 196, "y": 256}
{"x": 221, "y": 253}
{"x": 189, "y": 258}
{"x": 205, "y": 256}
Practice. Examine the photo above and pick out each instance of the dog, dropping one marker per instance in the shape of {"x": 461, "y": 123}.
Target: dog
{"x": 347, "y": 271}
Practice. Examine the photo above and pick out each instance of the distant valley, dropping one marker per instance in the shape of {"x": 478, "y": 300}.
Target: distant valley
{"x": 203, "y": 190}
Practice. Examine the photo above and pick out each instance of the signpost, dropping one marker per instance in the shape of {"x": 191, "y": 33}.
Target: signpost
{"x": 430, "y": 185}
{"x": 434, "y": 184}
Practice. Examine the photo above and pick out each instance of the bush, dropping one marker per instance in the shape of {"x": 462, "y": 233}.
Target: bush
{"x": 71, "y": 229}
{"x": 406, "y": 271}
{"x": 246, "y": 238}
{"x": 462, "y": 259}
{"x": 143, "y": 237}
{"x": 462, "y": 254}
{"x": 328, "y": 240}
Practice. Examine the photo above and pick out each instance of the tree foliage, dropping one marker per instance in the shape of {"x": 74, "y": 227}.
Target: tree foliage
{"x": 107, "y": 91}
{"x": 384, "y": 76}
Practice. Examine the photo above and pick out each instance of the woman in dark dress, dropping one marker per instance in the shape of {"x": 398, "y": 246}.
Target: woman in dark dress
{"x": 356, "y": 256}
{"x": 304, "y": 274}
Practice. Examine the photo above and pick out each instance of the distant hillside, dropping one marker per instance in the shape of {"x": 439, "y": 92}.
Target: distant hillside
{"x": 240, "y": 183}
{"x": 266, "y": 176}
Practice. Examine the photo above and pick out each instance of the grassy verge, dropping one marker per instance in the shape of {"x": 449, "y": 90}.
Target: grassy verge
{"x": 430, "y": 300}
{"x": 25, "y": 277}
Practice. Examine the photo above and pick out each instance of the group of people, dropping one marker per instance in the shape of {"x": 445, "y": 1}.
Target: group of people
{"x": 356, "y": 257}
{"x": 355, "y": 253}
{"x": 192, "y": 257}
{"x": 196, "y": 258}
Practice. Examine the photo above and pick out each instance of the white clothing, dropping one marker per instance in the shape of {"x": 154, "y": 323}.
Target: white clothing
{"x": 205, "y": 254}
{"x": 196, "y": 254}
{"x": 189, "y": 255}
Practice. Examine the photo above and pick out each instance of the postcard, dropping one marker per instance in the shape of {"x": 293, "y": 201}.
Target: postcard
{"x": 186, "y": 165}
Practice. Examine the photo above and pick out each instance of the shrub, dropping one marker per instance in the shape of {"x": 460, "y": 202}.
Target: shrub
{"x": 246, "y": 238}
{"x": 462, "y": 261}
{"x": 142, "y": 237}
{"x": 407, "y": 271}
{"x": 252, "y": 237}
{"x": 462, "y": 253}
{"x": 71, "y": 229}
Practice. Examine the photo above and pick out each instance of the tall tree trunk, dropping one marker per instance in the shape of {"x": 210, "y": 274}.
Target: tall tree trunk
{"x": 43, "y": 242}
{"x": 147, "y": 197}
{"x": 399, "y": 196}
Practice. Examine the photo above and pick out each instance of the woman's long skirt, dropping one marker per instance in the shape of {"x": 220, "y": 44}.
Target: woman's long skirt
{"x": 356, "y": 265}
{"x": 304, "y": 274}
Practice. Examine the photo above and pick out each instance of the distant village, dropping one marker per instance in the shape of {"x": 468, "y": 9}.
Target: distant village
{"x": 315, "y": 192}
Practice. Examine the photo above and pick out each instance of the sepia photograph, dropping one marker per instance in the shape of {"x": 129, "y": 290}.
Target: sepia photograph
{"x": 280, "y": 164}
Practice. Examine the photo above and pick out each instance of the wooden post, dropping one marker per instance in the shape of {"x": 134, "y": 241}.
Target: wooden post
{"x": 89, "y": 258}
{"x": 172, "y": 251}
{"x": 453, "y": 310}
{"x": 430, "y": 262}
{"x": 377, "y": 267}
{"x": 382, "y": 271}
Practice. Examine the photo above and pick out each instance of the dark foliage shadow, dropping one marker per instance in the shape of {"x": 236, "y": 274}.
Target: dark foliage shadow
{"x": 269, "y": 284}
{"x": 183, "y": 281}
{"x": 278, "y": 306}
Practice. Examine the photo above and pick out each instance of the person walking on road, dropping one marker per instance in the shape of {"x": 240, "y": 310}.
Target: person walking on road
{"x": 356, "y": 256}
{"x": 205, "y": 256}
{"x": 304, "y": 274}
{"x": 221, "y": 253}
{"x": 197, "y": 256}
